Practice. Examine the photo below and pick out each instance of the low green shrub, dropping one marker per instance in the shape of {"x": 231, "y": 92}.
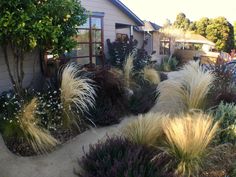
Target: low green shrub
{"x": 225, "y": 113}
{"x": 168, "y": 64}
{"x": 118, "y": 157}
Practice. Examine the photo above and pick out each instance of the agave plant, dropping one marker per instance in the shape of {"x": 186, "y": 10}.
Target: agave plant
{"x": 76, "y": 93}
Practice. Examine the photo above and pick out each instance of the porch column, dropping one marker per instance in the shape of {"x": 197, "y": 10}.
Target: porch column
{"x": 131, "y": 31}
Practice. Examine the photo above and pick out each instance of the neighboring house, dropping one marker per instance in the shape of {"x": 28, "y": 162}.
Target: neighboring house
{"x": 195, "y": 46}
{"x": 108, "y": 19}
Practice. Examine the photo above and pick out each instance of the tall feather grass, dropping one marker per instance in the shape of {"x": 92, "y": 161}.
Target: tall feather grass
{"x": 145, "y": 130}
{"x": 38, "y": 137}
{"x": 128, "y": 67}
{"x": 151, "y": 75}
{"x": 187, "y": 139}
{"x": 185, "y": 90}
{"x": 76, "y": 92}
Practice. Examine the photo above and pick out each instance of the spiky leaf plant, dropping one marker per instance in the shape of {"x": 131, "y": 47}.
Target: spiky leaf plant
{"x": 187, "y": 139}
{"x": 77, "y": 93}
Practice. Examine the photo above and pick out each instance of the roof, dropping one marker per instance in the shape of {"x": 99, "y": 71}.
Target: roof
{"x": 127, "y": 11}
{"x": 149, "y": 27}
{"x": 195, "y": 38}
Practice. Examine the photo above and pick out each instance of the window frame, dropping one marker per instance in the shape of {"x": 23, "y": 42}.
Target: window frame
{"x": 90, "y": 42}
{"x": 163, "y": 50}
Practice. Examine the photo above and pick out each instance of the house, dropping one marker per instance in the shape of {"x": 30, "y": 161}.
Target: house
{"x": 195, "y": 46}
{"x": 108, "y": 19}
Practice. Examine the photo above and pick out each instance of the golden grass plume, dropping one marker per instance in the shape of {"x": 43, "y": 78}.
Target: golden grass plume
{"x": 128, "y": 67}
{"x": 185, "y": 90}
{"x": 76, "y": 91}
{"x": 146, "y": 129}
{"x": 187, "y": 138}
{"x": 39, "y": 138}
{"x": 151, "y": 75}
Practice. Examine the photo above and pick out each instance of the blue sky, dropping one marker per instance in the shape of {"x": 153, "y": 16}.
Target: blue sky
{"x": 158, "y": 10}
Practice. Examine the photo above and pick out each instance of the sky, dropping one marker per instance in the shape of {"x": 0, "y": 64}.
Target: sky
{"x": 159, "y": 10}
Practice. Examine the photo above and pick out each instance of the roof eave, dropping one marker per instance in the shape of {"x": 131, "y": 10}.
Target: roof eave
{"x": 128, "y": 12}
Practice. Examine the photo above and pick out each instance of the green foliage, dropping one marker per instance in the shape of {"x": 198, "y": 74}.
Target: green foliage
{"x": 182, "y": 22}
{"x": 46, "y": 24}
{"x": 168, "y": 64}
{"x": 119, "y": 51}
{"x": 29, "y": 24}
{"x": 219, "y": 31}
{"x": 226, "y": 114}
{"x": 201, "y": 26}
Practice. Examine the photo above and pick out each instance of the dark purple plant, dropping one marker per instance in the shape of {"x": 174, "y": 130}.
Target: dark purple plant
{"x": 111, "y": 100}
{"x": 118, "y": 157}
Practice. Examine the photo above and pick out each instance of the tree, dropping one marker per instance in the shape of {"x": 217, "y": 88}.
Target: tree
{"x": 201, "y": 26}
{"x": 219, "y": 31}
{"x": 182, "y": 22}
{"x": 29, "y": 24}
{"x": 167, "y": 23}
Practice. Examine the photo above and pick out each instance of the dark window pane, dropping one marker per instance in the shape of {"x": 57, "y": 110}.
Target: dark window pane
{"x": 82, "y": 36}
{"x": 96, "y": 35}
{"x": 97, "y": 49}
{"x": 86, "y": 25}
{"x": 80, "y": 50}
{"x": 96, "y": 23}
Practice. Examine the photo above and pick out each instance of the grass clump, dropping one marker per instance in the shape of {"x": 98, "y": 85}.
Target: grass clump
{"x": 151, "y": 75}
{"x": 77, "y": 93}
{"x": 38, "y": 137}
{"x": 187, "y": 138}
{"x": 128, "y": 67}
{"x": 145, "y": 130}
{"x": 186, "y": 90}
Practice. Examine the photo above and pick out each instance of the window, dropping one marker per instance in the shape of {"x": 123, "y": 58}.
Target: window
{"x": 122, "y": 37}
{"x": 89, "y": 40}
{"x": 165, "y": 46}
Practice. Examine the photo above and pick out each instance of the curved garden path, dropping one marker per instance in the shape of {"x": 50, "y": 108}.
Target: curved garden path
{"x": 60, "y": 163}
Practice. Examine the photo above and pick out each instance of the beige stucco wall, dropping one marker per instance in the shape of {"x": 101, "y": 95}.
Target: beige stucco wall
{"x": 31, "y": 69}
{"x": 112, "y": 16}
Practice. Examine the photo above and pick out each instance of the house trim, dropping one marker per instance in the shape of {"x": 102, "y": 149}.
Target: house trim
{"x": 128, "y": 12}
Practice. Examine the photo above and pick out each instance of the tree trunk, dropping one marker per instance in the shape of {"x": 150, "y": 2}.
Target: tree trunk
{"x": 4, "y": 48}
